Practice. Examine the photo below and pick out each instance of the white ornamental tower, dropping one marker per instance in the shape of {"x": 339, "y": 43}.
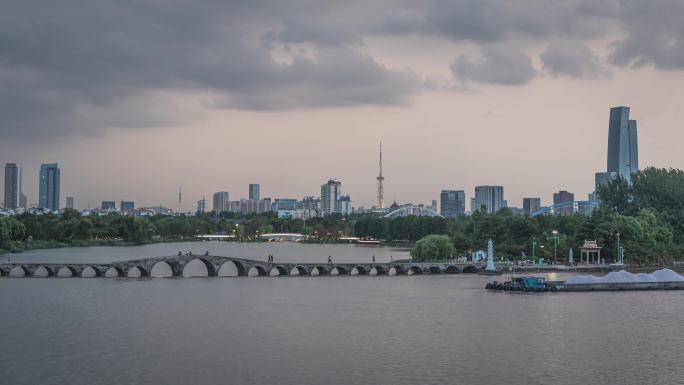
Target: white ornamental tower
{"x": 490, "y": 255}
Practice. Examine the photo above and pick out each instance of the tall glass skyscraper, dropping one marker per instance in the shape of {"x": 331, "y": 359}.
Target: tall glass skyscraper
{"x": 254, "y": 193}
{"x": 452, "y": 203}
{"x": 12, "y": 186}
{"x": 48, "y": 195}
{"x": 623, "y": 151}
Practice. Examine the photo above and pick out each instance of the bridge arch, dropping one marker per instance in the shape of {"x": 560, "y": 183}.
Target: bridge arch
{"x": 339, "y": 270}
{"x": 18, "y": 271}
{"x": 359, "y": 270}
{"x": 277, "y": 271}
{"x": 257, "y": 271}
{"x": 452, "y": 270}
{"x": 199, "y": 267}
{"x": 66, "y": 272}
{"x": 318, "y": 270}
{"x": 114, "y": 272}
{"x": 43, "y": 271}
{"x": 161, "y": 269}
{"x": 377, "y": 270}
{"x": 298, "y": 270}
{"x": 136, "y": 272}
{"x": 434, "y": 269}
{"x": 90, "y": 272}
{"x": 395, "y": 270}
{"x": 470, "y": 269}
{"x": 414, "y": 270}
{"x": 231, "y": 269}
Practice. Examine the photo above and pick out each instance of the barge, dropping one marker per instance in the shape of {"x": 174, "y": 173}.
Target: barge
{"x": 539, "y": 284}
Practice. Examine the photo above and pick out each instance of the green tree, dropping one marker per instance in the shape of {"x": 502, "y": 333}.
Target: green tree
{"x": 432, "y": 248}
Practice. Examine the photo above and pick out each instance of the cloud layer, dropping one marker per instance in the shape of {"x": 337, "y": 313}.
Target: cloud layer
{"x": 69, "y": 66}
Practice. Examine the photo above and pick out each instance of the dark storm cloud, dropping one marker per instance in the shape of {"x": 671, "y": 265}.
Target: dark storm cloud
{"x": 57, "y": 57}
{"x": 68, "y": 66}
{"x": 498, "y": 65}
{"x": 655, "y": 34}
{"x": 572, "y": 58}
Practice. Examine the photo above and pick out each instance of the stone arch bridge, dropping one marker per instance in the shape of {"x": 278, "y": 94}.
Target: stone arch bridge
{"x": 217, "y": 266}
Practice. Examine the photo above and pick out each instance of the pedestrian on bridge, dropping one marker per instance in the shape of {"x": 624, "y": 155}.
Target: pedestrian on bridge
{"x": 329, "y": 260}
{"x": 373, "y": 258}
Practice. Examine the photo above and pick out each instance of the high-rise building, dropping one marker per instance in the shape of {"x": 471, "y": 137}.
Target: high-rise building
{"x": 127, "y": 206}
{"x": 343, "y": 205}
{"x": 221, "y": 202}
{"x": 49, "y": 185}
{"x": 254, "y": 192}
{"x": 531, "y": 205}
{"x": 491, "y": 197}
{"x": 108, "y": 205}
{"x": 452, "y": 203}
{"x": 69, "y": 202}
{"x": 22, "y": 201}
{"x": 202, "y": 205}
{"x": 623, "y": 150}
{"x": 12, "y": 186}
{"x": 330, "y": 192}
{"x": 565, "y": 198}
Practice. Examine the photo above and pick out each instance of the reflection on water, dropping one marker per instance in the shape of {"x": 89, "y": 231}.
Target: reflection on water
{"x": 328, "y": 330}
{"x": 282, "y": 252}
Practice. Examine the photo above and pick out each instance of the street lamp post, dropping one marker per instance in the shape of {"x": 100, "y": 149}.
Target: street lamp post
{"x": 555, "y": 245}
{"x": 534, "y": 244}
{"x": 618, "y": 249}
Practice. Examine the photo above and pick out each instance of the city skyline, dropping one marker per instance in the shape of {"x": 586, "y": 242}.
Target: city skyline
{"x": 300, "y": 92}
{"x": 622, "y": 158}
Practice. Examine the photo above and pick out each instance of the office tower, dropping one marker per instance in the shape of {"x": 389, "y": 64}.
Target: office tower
{"x": 70, "y": 202}
{"x": 108, "y": 205}
{"x": 452, "y": 203}
{"x": 566, "y": 199}
{"x": 127, "y": 206}
{"x": 254, "y": 192}
{"x": 491, "y": 197}
{"x": 48, "y": 194}
{"x": 330, "y": 193}
{"x": 202, "y": 205}
{"x": 434, "y": 204}
{"x": 12, "y": 186}
{"x": 380, "y": 178}
{"x": 531, "y": 205}
{"x": 221, "y": 202}
{"x": 22, "y": 201}
{"x": 623, "y": 151}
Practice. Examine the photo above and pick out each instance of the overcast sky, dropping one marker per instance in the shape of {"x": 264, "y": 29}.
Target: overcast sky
{"x": 136, "y": 98}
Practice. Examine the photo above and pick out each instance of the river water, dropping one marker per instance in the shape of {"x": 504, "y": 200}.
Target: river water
{"x": 330, "y": 330}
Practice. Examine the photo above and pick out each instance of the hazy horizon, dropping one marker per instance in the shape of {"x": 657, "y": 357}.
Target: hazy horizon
{"x": 134, "y": 100}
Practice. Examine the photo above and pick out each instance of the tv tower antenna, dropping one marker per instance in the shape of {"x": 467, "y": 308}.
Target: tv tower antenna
{"x": 380, "y": 178}
{"x": 180, "y": 200}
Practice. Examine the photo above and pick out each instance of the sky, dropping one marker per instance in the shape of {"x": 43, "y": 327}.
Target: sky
{"x": 136, "y": 98}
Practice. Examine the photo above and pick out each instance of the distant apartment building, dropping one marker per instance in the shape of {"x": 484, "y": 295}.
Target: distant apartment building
{"x": 490, "y": 199}
{"x": 49, "y": 186}
{"x": 566, "y": 200}
{"x": 127, "y": 206}
{"x": 452, "y": 203}
{"x": 69, "y": 202}
{"x": 201, "y": 206}
{"x": 343, "y": 205}
{"x": 330, "y": 193}
{"x": 531, "y": 205}
{"x": 12, "y": 186}
{"x": 221, "y": 202}
{"x": 284, "y": 204}
{"x": 254, "y": 192}
{"x": 108, "y": 205}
